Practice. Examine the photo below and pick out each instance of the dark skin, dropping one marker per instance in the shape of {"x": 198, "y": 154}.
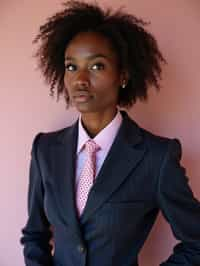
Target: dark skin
{"x": 92, "y": 79}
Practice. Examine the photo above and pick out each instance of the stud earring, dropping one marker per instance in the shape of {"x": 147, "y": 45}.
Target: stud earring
{"x": 124, "y": 84}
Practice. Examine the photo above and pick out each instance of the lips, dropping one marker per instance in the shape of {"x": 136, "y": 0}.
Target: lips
{"x": 82, "y": 96}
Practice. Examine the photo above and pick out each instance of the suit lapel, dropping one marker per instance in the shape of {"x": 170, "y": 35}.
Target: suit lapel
{"x": 63, "y": 157}
{"x": 122, "y": 158}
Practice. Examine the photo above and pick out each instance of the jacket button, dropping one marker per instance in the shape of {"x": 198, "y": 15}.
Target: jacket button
{"x": 81, "y": 248}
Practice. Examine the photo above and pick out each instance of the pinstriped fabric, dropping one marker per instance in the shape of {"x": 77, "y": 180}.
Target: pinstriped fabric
{"x": 87, "y": 175}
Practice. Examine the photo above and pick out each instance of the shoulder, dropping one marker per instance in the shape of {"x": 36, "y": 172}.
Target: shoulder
{"x": 161, "y": 151}
{"x": 157, "y": 146}
{"x": 46, "y": 139}
{"x": 160, "y": 144}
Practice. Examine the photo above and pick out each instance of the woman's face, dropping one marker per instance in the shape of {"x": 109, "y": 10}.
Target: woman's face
{"x": 92, "y": 76}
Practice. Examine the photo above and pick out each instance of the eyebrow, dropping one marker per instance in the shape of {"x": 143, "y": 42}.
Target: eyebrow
{"x": 88, "y": 57}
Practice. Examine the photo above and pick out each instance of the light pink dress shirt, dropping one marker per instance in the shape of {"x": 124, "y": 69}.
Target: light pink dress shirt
{"x": 104, "y": 139}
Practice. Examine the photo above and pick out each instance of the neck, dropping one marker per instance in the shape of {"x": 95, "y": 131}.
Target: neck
{"x": 93, "y": 123}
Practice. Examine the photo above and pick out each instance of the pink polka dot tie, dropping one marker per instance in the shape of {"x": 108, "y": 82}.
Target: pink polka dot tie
{"x": 87, "y": 176}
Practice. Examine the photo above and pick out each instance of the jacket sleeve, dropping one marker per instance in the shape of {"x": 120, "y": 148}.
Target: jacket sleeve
{"x": 36, "y": 233}
{"x": 180, "y": 208}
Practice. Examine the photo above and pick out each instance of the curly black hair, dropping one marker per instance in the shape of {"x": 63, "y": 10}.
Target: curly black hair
{"x": 136, "y": 48}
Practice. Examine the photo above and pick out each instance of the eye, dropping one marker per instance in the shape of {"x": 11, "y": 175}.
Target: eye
{"x": 70, "y": 67}
{"x": 98, "y": 66}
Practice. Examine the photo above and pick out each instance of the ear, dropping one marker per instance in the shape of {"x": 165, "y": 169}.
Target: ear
{"x": 124, "y": 76}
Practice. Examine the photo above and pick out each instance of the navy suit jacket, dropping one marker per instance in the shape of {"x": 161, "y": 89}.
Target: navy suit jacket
{"x": 140, "y": 176}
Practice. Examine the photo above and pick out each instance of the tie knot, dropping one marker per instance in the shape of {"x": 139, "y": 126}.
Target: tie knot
{"x": 91, "y": 146}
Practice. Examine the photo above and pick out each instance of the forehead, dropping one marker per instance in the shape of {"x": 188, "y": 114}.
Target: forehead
{"x": 87, "y": 43}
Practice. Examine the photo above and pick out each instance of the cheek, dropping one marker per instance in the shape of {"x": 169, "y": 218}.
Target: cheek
{"x": 66, "y": 80}
{"x": 107, "y": 79}
{"x": 107, "y": 85}
{"x": 67, "y": 83}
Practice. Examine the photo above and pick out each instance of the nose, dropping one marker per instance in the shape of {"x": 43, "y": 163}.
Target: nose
{"x": 82, "y": 80}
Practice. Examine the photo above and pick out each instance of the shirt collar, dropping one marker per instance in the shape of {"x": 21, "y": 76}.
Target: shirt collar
{"x": 104, "y": 138}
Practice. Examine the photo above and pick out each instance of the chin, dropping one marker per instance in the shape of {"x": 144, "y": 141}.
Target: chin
{"x": 84, "y": 109}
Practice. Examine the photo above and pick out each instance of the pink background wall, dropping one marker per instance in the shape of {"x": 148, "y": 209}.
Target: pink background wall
{"x": 26, "y": 108}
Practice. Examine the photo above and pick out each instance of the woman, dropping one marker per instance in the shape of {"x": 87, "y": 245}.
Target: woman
{"x": 100, "y": 183}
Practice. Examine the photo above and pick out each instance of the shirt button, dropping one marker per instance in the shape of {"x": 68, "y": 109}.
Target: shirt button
{"x": 81, "y": 248}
